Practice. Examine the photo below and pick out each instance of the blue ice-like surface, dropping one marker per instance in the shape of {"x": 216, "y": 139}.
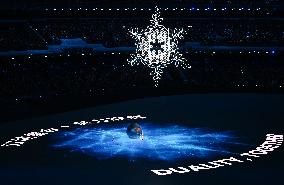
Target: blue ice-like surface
{"x": 161, "y": 142}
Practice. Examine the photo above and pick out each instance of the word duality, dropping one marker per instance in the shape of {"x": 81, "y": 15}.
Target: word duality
{"x": 272, "y": 142}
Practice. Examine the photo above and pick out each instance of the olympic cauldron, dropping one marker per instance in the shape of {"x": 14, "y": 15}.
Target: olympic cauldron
{"x": 134, "y": 131}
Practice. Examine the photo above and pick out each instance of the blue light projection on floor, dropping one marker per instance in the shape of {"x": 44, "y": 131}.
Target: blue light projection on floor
{"x": 161, "y": 142}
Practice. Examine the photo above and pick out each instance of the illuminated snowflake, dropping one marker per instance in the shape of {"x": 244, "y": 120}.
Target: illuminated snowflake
{"x": 157, "y": 47}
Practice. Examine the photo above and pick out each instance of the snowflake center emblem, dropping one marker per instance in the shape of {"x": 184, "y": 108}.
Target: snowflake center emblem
{"x": 157, "y": 47}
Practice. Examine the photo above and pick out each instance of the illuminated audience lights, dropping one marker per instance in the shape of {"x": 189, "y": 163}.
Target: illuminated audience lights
{"x": 150, "y": 9}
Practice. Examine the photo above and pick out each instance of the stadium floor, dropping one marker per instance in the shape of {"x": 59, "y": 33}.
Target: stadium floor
{"x": 90, "y": 146}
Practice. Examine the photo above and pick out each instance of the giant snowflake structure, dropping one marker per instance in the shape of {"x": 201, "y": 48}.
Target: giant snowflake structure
{"x": 157, "y": 47}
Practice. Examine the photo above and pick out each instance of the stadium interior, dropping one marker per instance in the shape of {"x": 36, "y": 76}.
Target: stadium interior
{"x": 59, "y": 56}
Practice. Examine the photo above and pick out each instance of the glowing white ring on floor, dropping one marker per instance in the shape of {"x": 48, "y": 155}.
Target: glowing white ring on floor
{"x": 20, "y": 140}
{"x": 272, "y": 142}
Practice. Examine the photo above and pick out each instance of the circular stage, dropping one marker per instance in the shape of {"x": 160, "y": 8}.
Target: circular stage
{"x": 194, "y": 138}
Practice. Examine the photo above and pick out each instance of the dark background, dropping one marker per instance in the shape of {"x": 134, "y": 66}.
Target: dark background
{"x": 236, "y": 83}
{"x": 251, "y": 116}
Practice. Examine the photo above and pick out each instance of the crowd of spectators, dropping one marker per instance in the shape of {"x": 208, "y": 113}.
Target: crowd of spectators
{"x": 94, "y": 74}
{"x": 114, "y": 32}
{"x": 71, "y": 73}
{"x": 19, "y": 36}
{"x": 141, "y": 3}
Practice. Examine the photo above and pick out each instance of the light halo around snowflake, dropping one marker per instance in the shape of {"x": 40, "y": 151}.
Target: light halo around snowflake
{"x": 157, "y": 47}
